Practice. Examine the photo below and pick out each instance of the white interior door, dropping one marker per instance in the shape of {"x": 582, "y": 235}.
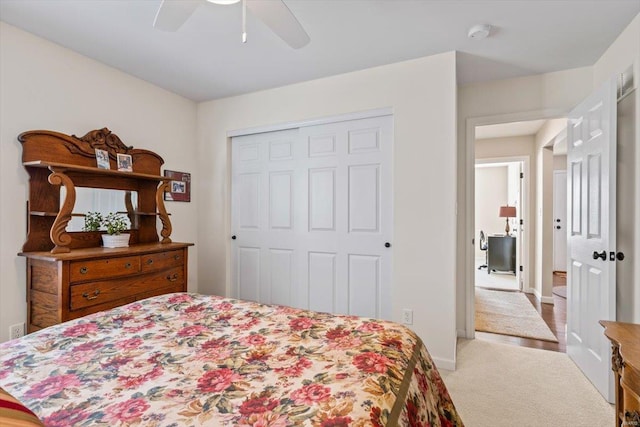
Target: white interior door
{"x": 559, "y": 221}
{"x": 263, "y": 223}
{"x": 312, "y": 214}
{"x": 591, "y": 185}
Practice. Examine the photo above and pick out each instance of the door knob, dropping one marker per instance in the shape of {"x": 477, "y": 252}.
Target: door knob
{"x": 602, "y": 255}
{"x": 233, "y": 237}
{"x": 620, "y": 256}
{"x": 387, "y": 245}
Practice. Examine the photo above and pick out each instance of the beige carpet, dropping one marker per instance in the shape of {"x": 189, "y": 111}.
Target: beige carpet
{"x": 509, "y": 313}
{"x": 499, "y": 385}
{"x": 496, "y": 280}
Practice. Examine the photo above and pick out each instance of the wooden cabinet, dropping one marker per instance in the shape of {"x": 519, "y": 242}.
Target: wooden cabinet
{"x": 69, "y": 274}
{"x": 66, "y": 286}
{"x": 625, "y": 362}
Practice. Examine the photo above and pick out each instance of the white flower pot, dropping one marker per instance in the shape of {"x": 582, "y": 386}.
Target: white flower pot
{"x": 115, "y": 240}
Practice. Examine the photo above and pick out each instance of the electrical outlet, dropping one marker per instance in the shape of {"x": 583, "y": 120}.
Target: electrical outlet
{"x": 407, "y": 316}
{"x": 16, "y": 331}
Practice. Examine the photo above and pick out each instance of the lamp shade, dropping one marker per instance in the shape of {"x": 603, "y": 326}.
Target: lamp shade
{"x": 507, "y": 211}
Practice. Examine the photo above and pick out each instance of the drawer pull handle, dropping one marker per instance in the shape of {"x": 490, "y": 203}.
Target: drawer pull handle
{"x": 127, "y": 265}
{"x": 84, "y": 270}
{"x": 172, "y": 278}
{"x": 176, "y": 257}
{"x": 149, "y": 261}
{"x": 89, "y": 297}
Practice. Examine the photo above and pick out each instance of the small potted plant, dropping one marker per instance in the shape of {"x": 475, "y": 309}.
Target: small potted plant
{"x": 92, "y": 221}
{"x": 115, "y": 224}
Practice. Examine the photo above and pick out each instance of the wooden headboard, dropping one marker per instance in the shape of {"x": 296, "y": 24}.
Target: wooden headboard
{"x": 49, "y": 146}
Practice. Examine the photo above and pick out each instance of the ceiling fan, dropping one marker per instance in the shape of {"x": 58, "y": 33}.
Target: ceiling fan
{"x": 274, "y": 13}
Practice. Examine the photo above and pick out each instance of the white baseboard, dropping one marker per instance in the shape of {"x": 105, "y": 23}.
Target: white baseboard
{"x": 461, "y": 333}
{"x": 535, "y": 292}
{"x": 547, "y": 300}
{"x": 448, "y": 364}
{"x": 539, "y": 297}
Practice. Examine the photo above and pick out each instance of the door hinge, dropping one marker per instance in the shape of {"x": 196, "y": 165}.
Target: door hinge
{"x": 521, "y": 175}
{"x": 521, "y": 269}
{"x": 522, "y": 222}
{"x": 473, "y": 240}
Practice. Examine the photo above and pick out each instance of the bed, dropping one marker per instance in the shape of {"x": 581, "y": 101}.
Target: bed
{"x": 187, "y": 359}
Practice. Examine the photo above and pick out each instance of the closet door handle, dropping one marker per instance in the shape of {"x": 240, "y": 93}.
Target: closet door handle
{"x": 602, "y": 255}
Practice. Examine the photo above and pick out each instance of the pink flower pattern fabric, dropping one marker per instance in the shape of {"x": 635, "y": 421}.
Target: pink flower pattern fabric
{"x": 190, "y": 360}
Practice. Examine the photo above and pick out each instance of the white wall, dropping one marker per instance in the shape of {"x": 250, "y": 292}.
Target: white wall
{"x": 422, "y": 94}
{"x": 45, "y": 86}
{"x": 525, "y": 98}
{"x": 546, "y": 95}
{"x": 560, "y": 162}
{"x": 625, "y": 52}
{"x": 543, "y": 286}
{"x": 491, "y": 193}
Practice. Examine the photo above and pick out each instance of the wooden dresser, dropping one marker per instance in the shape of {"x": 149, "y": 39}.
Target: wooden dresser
{"x": 625, "y": 362}
{"x": 66, "y": 286}
{"x": 69, "y": 273}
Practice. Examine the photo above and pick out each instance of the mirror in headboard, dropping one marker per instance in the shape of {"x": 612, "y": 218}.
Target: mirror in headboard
{"x": 104, "y": 201}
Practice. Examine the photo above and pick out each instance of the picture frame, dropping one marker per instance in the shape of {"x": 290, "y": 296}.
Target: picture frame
{"x": 102, "y": 159}
{"x": 179, "y": 186}
{"x": 125, "y": 163}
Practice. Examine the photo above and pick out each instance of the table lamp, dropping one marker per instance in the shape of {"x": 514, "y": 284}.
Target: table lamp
{"x": 507, "y": 212}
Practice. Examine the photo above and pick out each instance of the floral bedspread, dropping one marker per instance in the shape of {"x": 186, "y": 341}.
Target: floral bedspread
{"x": 190, "y": 360}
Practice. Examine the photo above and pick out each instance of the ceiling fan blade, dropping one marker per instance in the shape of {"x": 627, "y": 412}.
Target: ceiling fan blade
{"x": 277, "y": 16}
{"x": 173, "y": 13}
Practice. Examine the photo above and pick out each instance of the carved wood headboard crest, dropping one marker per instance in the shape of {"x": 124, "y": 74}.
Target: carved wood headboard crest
{"x": 103, "y": 139}
{"x": 46, "y": 145}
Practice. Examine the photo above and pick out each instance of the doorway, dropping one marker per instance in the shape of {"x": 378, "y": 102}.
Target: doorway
{"x": 498, "y": 185}
{"x": 508, "y": 162}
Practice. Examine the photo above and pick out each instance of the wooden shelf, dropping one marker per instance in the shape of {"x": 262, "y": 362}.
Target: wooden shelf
{"x": 142, "y": 213}
{"x": 54, "y": 214}
{"x": 64, "y": 167}
{"x": 97, "y": 252}
{"x": 40, "y": 213}
{"x": 55, "y": 161}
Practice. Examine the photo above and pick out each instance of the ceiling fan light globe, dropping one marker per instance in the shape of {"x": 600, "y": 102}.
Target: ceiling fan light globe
{"x": 223, "y": 2}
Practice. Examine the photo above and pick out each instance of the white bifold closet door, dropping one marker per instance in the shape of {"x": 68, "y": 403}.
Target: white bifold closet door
{"x": 312, "y": 217}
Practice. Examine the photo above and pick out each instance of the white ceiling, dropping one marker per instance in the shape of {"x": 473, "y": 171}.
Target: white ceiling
{"x": 504, "y": 130}
{"x": 206, "y": 60}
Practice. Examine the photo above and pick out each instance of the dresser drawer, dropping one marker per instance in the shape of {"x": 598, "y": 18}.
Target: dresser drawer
{"x": 162, "y": 260}
{"x": 104, "y": 291}
{"x": 103, "y": 268}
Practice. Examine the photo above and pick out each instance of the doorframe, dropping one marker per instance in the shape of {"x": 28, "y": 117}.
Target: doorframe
{"x": 469, "y": 224}
{"x": 522, "y": 257}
